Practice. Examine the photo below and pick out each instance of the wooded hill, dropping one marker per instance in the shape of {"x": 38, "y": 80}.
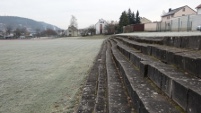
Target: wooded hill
{"x": 19, "y": 22}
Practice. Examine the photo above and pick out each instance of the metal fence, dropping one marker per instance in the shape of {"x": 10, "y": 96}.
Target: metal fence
{"x": 183, "y": 23}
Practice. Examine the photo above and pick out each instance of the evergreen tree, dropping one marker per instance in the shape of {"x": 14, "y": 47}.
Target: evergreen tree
{"x": 137, "y": 18}
{"x": 123, "y": 21}
{"x": 130, "y": 16}
{"x": 133, "y": 18}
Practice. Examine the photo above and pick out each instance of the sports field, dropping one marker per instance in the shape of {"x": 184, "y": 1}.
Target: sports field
{"x": 44, "y": 75}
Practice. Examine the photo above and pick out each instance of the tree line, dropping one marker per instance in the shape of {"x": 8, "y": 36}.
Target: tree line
{"x": 128, "y": 18}
{"x": 22, "y": 31}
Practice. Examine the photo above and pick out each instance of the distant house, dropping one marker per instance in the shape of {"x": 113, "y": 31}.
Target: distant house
{"x": 144, "y": 20}
{"x": 1, "y": 32}
{"x": 181, "y": 11}
{"x": 100, "y": 26}
{"x": 1, "y": 35}
{"x": 72, "y": 31}
{"x": 198, "y": 9}
{"x": 82, "y": 32}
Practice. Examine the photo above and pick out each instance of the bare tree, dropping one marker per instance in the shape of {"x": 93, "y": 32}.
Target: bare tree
{"x": 111, "y": 27}
{"x": 1, "y": 33}
{"x": 20, "y": 31}
{"x": 49, "y": 32}
{"x": 38, "y": 32}
{"x": 164, "y": 12}
{"x": 17, "y": 32}
{"x": 8, "y": 29}
{"x": 92, "y": 29}
{"x": 73, "y": 21}
{"x": 23, "y": 30}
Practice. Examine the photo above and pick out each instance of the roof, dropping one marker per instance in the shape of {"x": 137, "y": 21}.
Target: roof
{"x": 144, "y": 20}
{"x": 198, "y": 6}
{"x": 101, "y": 21}
{"x": 72, "y": 28}
{"x": 173, "y": 11}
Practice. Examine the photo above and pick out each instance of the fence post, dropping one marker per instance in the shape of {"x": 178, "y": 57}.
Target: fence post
{"x": 188, "y": 23}
{"x": 178, "y": 24}
{"x": 160, "y": 26}
{"x": 171, "y": 26}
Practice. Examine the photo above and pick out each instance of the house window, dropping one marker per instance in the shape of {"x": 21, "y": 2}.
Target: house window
{"x": 168, "y": 17}
{"x": 183, "y": 9}
{"x": 183, "y": 14}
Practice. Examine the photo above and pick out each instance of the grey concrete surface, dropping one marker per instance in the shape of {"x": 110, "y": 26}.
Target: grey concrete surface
{"x": 161, "y": 34}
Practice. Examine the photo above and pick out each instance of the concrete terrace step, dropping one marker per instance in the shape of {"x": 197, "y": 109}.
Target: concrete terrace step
{"x": 188, "y": 60}
{"x": 183, "y": 89}
{"x": 94, "y": 92}
{"x": 101, "y": 99}
{"x": 144, "y": 96}
{"x": 151, "y": 40}
{"x": 178, "y": 86}
{"x": 188, "y": 42}
{"x": 117, "y": 98}
{"x": 144, "y": 76}
{"x": 104, "y": 91}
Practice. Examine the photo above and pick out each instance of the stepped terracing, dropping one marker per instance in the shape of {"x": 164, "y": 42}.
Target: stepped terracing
{"x": 136, "y": 74}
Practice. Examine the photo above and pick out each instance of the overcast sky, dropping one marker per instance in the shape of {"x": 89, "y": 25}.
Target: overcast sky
{"x": 87, "y": 12}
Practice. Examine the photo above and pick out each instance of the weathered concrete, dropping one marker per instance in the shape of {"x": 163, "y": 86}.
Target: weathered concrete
{"x": 101, "y": 99}
{"x": 161, "y": 34}
{"x": 176, "y": 84}
{"x": 147, "y": 75}
{"x": 117, "y": 98}
{"x": 182, "y": 58}
{"x": 187, "y": 94}
{"x": 89, "y": 94}
{"x": 190, "y": 42}
{"x": 144, "y": 96}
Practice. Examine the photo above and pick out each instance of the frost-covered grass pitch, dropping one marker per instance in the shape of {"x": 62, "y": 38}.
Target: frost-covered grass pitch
{"x": 36, "y": 74}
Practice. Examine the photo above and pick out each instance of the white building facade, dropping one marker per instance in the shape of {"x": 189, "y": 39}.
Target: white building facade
{"x": 198, "y": 9}
{"x": 72, "y": 31}
{"x": 100, "y": 26}
{"x": 178, "y": 12}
